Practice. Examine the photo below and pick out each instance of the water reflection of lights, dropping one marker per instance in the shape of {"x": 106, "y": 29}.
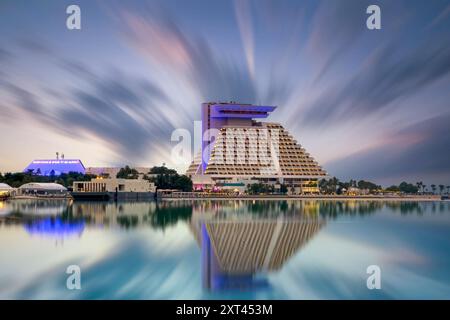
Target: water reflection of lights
{"x": 4, "y": 209}
{"x": 55, "y": 227}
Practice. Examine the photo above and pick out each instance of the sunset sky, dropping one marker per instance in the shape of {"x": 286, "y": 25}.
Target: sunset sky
{"x": 372, "y": 104}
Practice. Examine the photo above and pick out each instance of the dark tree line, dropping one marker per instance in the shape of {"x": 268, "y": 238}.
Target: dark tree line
{"x": 17, "y": 179}
{"x": 261, "y": 188}
{"x": 165, "y": 178}
{"x": 404, "y": 187}
{"x": 162, "y": 177}
{"x": 127, "y": 173}
{"x": 335, "y": 186}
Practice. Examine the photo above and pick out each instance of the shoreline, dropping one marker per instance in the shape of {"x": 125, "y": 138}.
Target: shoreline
{"x": 417, "y": 198}
{"x": 314, "y": 197}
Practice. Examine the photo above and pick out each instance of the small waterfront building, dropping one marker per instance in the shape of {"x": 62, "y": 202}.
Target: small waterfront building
{"x": 130, "y": 189}
{"x": 114, "y": 185}
{"x": 238, "y": 147}
{"x": 42, "y": 189}
{"x": 353, "y": 191}
{"x": 202, "y": 183}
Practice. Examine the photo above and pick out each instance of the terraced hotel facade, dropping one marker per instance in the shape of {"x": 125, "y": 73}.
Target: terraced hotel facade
{"x": 239, "y": 150}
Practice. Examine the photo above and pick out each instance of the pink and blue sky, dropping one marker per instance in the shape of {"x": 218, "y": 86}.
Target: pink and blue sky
{"x": 367, "y": 104}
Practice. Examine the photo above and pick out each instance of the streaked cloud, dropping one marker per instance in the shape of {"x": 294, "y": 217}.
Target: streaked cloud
{"x": 384, "y": 79}
{"x": 189, "y": 56}
{"x": 420, "y": 149}
{"x": 115, "y": 108}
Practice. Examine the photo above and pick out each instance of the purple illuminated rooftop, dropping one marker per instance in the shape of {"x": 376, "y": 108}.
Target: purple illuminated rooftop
{"x": 47, "y": 167}
{"x": 231, "y": 110}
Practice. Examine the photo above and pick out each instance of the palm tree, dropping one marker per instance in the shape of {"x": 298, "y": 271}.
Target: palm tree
{"x": 441, "y": 188}
{"x": 448, "y": 189}
{"x": 419, "y": 185}
{"x": 334, "y": 183}
{"x": 433, "y": 187}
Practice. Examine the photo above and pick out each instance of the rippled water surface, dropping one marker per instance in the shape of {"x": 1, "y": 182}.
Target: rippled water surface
{"x": 239, "y": 249}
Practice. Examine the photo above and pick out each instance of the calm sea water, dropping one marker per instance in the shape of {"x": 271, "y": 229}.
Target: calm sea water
{"x": 225, "y": 249}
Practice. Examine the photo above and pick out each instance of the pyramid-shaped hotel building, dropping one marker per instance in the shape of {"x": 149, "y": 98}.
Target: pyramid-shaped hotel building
{"x": 239, "y": 150}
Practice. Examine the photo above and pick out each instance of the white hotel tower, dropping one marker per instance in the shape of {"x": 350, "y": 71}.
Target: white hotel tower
{"x": 239, "y": 150}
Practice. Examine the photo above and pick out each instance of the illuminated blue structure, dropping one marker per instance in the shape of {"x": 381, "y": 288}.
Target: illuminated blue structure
{"x": 48, "y": 167}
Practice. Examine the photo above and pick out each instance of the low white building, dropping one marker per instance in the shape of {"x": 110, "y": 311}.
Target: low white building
{"x": 353, "y": 191}
{"x": 43, "y": 189}
{"x": 5, "y": 190}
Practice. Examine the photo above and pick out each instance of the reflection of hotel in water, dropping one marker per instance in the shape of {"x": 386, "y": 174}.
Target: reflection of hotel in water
{"x": 236, "y": 247}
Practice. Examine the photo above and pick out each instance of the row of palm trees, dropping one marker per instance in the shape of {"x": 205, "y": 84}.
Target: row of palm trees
{"x": 424, "y": 189}
{"x": 332, "y": 184}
